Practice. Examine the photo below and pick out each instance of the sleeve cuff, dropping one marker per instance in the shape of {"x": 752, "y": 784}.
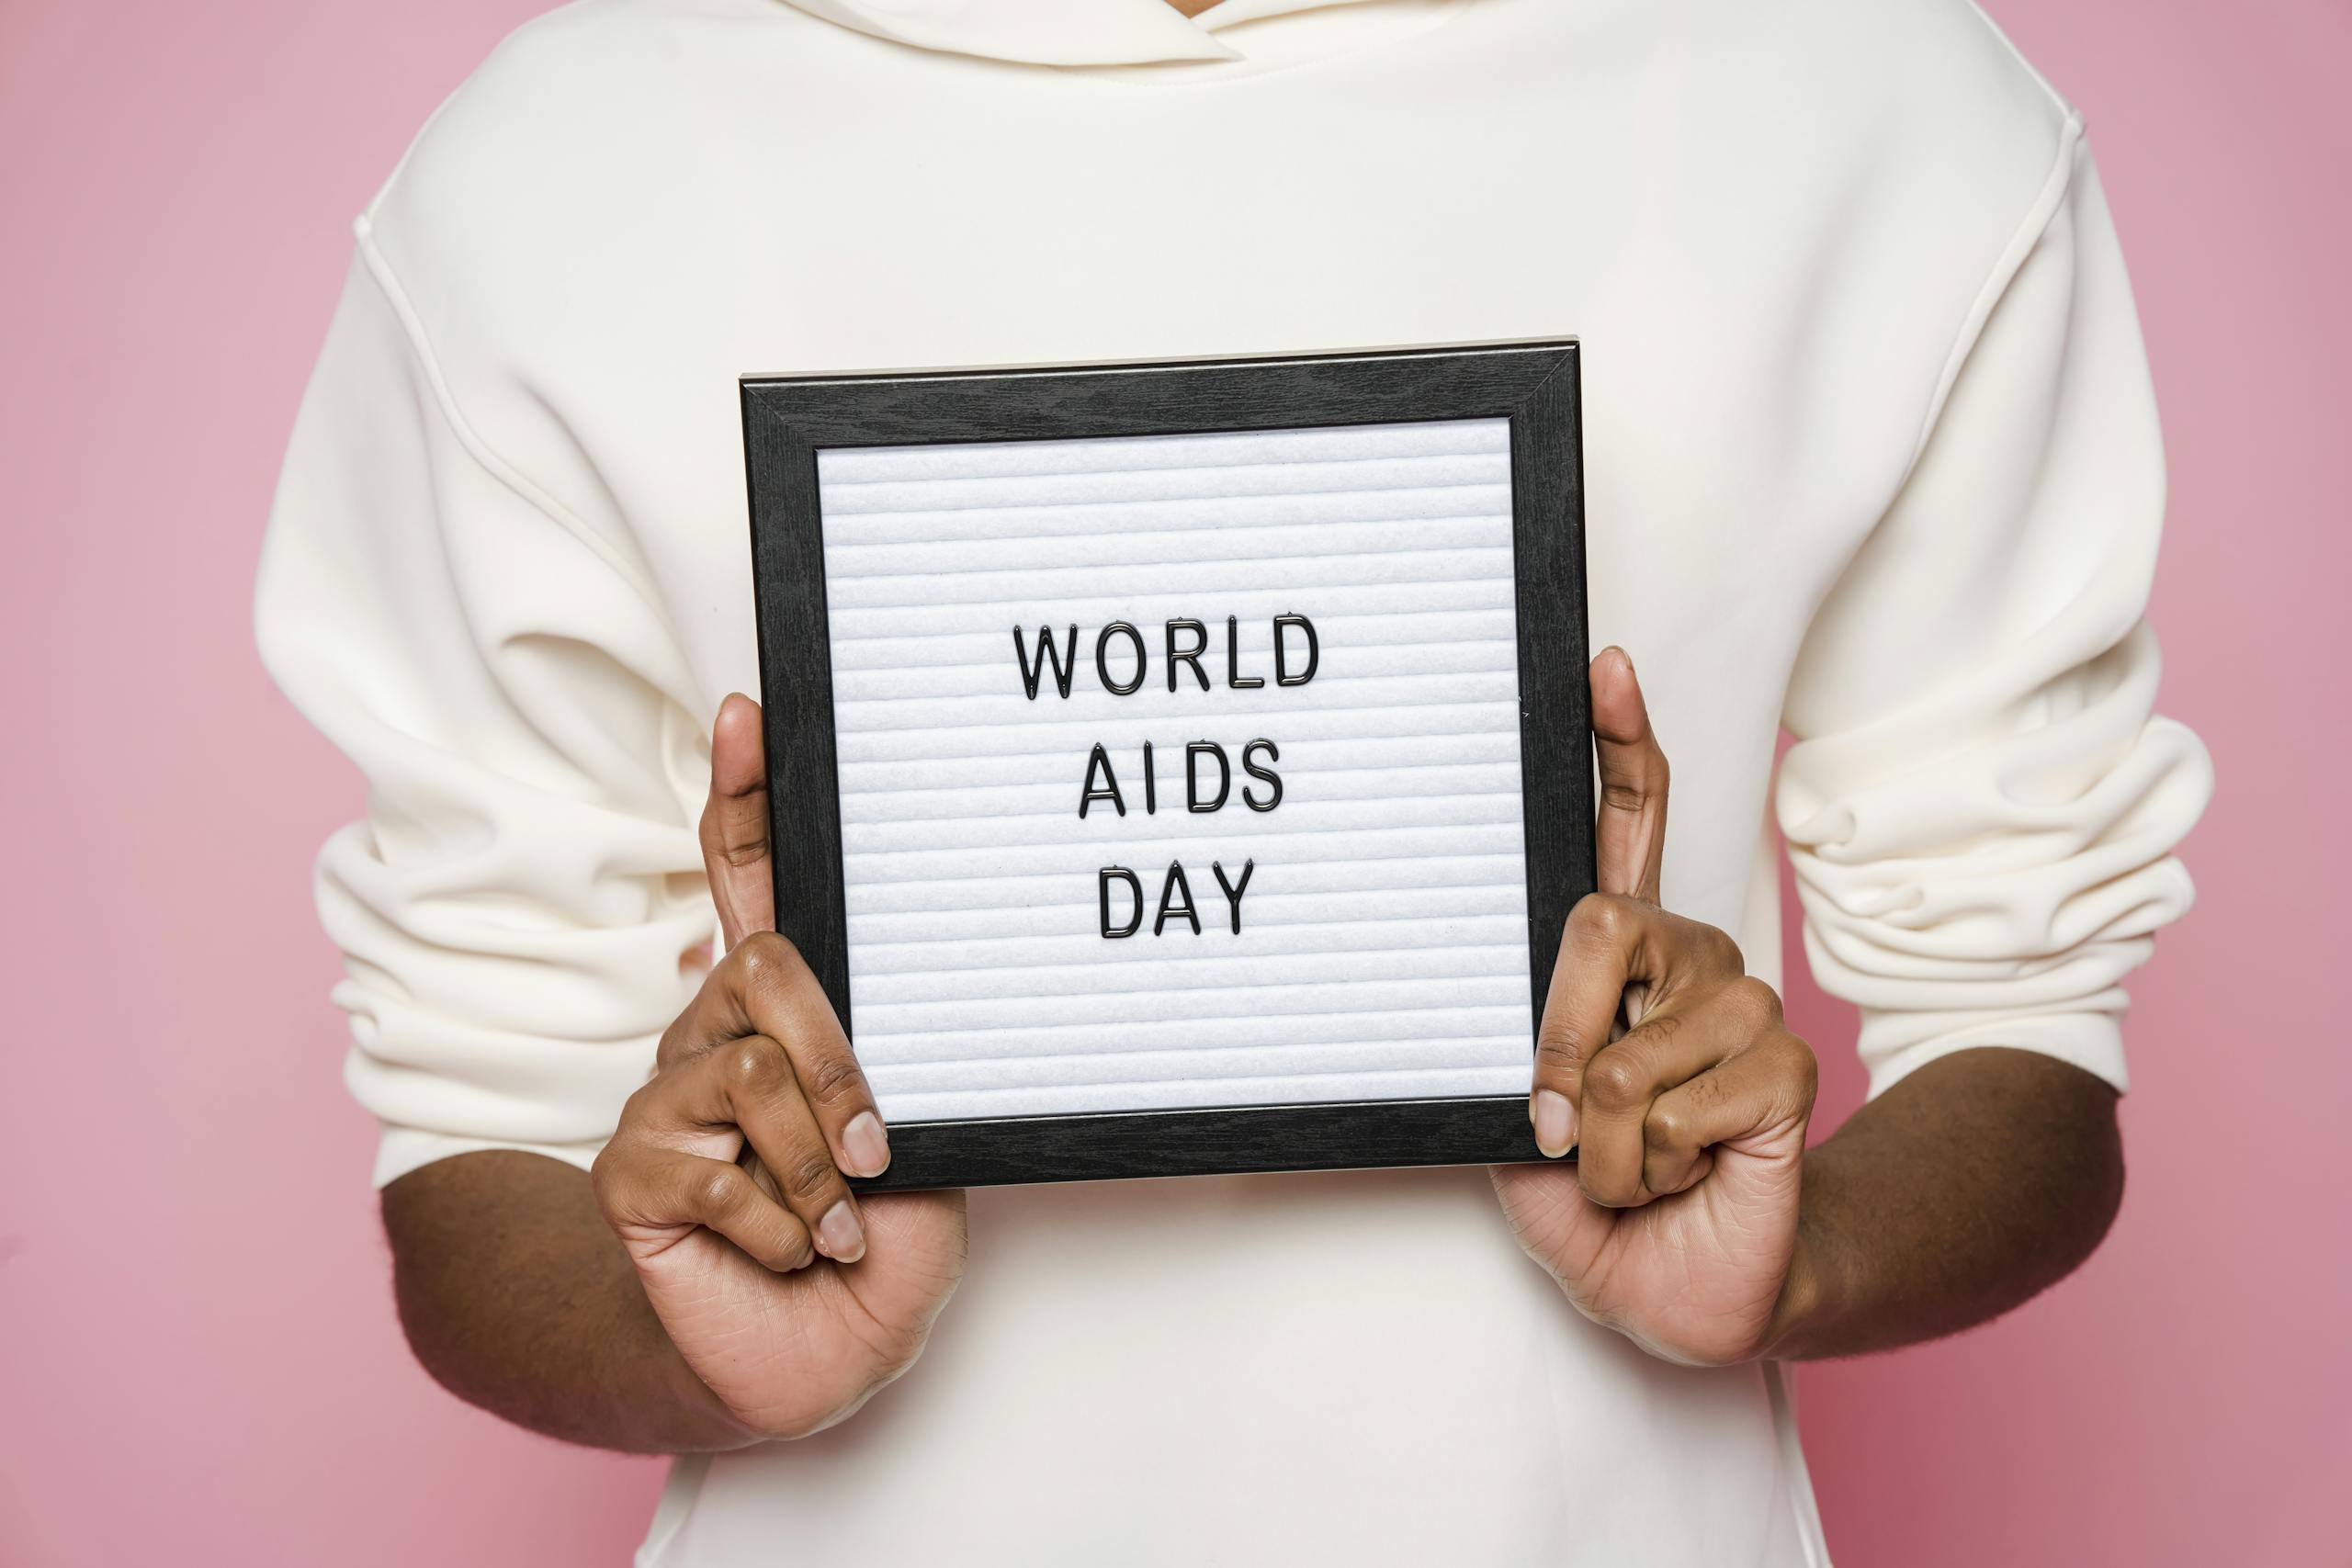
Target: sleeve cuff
{"x": 405, "y": 1149}
{"x": 1894, "y": 1045}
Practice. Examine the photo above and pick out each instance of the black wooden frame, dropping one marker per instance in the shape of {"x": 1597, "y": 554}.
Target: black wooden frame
{"x": 787, "y": 418}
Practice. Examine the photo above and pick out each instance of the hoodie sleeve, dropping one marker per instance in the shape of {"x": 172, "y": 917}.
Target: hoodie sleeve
{"x": 515, "y": 908}
{"x": 1980, "y": 804}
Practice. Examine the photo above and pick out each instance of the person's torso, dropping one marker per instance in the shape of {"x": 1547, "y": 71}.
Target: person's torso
{"x": 1765, "y": 225}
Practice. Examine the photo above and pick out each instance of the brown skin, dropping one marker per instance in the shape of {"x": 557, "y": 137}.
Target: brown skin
{"x": 679, "y": 1301}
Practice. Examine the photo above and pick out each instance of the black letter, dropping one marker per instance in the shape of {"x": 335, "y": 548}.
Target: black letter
{"x": 1233, "y": 890}
{"x": 1314, "y": 653}
{"x": 1062, "y": 662}
{"x": 1150, "y": 784}
{"x": 1255, "y": 772}
{"x": 1102, "y": 898}
{"x": 1175, "y": 880}
{"x": 1193, "y": 749}
{"x": 1109, "y": 791}
{"x": 1233, "y": 676}
{"x": 1191, "y": 655}
{"x": 1103, "y": 659}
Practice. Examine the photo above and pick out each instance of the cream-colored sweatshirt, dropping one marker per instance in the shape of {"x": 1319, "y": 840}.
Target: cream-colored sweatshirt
{"x": 1872, "y": 456}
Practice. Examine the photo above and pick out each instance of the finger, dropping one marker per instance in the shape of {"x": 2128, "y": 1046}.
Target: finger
{"x": 1596, "y": 950}
{"x": 1671, "y": 1047}
{"x": 652, "y": 1188}
{"x": 1611, "y": 945}
{"x": 735, "y": 822}
{"x": 763, "y": 1099}
{"x": 1629, "y": 832}
{"x": 1766, "y": 1087}
{"x": 762, "y": 987}
{"x": 782, "y": 999}
{"x": 747, "y": 1087}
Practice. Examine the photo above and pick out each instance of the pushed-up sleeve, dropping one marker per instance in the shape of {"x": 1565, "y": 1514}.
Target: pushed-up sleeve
{"x": 515, "y": 908}
{"x": 1980, "y": 803}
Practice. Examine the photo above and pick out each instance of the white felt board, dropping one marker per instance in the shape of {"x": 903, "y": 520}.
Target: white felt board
{"x": 1384, "y": 951}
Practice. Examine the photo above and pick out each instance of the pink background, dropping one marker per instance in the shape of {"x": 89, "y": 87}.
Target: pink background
{"x": 198, "y": 1362}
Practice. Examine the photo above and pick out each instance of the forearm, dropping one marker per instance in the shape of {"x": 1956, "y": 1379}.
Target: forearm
{"x": 1973, "y": 1184}
{"x": 516, "y": 1297}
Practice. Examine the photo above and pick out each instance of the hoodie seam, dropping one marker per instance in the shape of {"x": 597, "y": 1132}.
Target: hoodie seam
{"x": 2024, "y": 239}
{"x": 536, "y": 496}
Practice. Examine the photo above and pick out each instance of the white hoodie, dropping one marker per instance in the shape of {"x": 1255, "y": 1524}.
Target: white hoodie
{"x": 1871, "y": 454}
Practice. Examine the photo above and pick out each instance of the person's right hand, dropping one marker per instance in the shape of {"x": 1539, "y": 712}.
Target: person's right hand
{"x": 790, "y": 1298}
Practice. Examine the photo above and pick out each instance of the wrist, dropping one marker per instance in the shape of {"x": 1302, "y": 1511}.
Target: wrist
{"x": 1815, "y": 1292}
{"x": 1802, "y": 1304}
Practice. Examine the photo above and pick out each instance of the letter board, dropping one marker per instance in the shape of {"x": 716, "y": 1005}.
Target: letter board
{"x": 1179, "y": 768}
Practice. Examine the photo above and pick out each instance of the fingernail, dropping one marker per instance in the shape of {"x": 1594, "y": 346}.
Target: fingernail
{"x": 839, "y": 1235}
{"x": 867, "y": 1145}
{"x": 1556, "y": 1123}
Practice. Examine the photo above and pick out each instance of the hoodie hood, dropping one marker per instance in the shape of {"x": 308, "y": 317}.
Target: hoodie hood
{"x": 1056, "y": 32}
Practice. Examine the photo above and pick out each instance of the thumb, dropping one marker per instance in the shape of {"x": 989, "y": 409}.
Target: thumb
{"x": 735, "y": 822}
{"x": 1629, "y": 831}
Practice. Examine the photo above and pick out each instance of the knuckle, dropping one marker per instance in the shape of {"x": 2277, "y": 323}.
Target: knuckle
{"x": 1757, "y": 1004}
{"x": 750, "y": 850}
{"x": 720, "y": 1191}
{"x": 623, "y": 1194}
{"x": 1804, "y": 1069}
{"x": 1599, "y": 919}
{"x": 1721, "y": 952}
{"x": 1616, "y": 1080}
{"x": 832, "y": 1077}
{"x": 809, "y": 1175}
{"x": 605, "y": 1177}
{"x": 754, "y": 1061}
{"x": 647, "y": 1112}
{"x": 1559, "y": 1049}
{"x": 764, "y": 958}
{"x": 634, "y": 1111}
{"x": 1703, "y": 1095}
{"x": 1668, "y": 1130}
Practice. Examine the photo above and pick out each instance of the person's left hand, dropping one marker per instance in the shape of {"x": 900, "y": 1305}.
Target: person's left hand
{"x": 1677, "y": 1225}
